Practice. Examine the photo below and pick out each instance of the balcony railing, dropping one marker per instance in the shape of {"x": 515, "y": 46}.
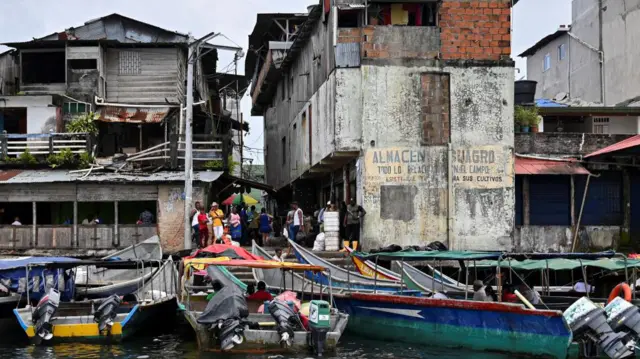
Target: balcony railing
{"x": 49, "y": 237}
{"x": 205, "y": 148}
{"x": 43, "y": 144}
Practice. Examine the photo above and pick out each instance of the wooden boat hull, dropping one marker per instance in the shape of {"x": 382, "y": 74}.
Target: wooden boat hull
{"x": 83, "y": 328}
{"x": 265, "y": 341}
{"x": 480, "y": 326}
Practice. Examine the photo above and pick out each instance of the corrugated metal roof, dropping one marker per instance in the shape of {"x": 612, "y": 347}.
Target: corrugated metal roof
{"x": 622, "y": 145}
{"x": 133, "y": 115}
{"x": 61, "y": 176}
{"x": 537, "y": 166}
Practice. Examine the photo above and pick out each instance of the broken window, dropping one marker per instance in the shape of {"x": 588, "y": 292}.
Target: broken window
{"x": 408, "y": 14}
{"x": 43, "y": 67}
{"x": 83, "y": 64}
{"x": 348, "y": 18}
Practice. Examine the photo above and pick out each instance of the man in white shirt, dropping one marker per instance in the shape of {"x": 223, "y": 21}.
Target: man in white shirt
{"x": 280, "y": 257}
{"x": 296, "y": 221}
{"x": 16, "y": 222}
{"x": 580, "y": 287}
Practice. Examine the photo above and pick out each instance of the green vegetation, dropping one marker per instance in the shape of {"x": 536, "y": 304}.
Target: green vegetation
{"x": 26, "y": 158}
{"x": 67, "y": 159}
{"x": 218, "y": 165}
{"x": 526, "y": 116}
{"x": 83, "y": 123}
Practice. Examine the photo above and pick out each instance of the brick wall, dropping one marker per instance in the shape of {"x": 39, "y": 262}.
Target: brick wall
{"x": 394, "y": 42}
{"x": 435, "y": 104}
{"x": 475, "y": 29}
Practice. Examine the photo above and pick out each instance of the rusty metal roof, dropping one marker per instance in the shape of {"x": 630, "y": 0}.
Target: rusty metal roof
{"x": 538, "y": 166}
{"x": 132, "y": 114}
{"x": 62, "y": 176}
{"x": 622, "y": 145}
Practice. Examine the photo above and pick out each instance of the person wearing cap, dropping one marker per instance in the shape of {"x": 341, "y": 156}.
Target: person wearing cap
{"x": 217, "y": 215}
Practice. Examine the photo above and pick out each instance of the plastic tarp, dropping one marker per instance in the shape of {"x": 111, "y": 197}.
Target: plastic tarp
{"x": 227, "y": 303}
{"x": 611, "y": 264}
{"x": 22, "y": 262}
{"x": 215, "y": 273}
{"x": 263, "y": 264}
{"x": 224, "y": 250}
{"x": 411, "y": 255}
{"x": 41, "y": 279}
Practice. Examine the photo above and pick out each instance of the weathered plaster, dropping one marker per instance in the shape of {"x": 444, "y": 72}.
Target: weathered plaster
{"x": 560, "y": 238}
{"x": 171, "y": 215}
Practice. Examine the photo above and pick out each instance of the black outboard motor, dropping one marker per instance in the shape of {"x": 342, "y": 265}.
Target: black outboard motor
{"x": 586, "y": 320}
{"x": 624, "y": 317}
{"x": 225, "y": 315}
{"x": 43, "y": 314}
{"x": 286, "y": 321}
{"x": 107, "y": 312}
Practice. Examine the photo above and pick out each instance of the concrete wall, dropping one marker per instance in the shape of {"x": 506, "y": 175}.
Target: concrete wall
{"x": 171, "y": 215}
{"x": 41, "y": 113}
{"x": 554, "y": 80}
{"x": 559, "y": 239}
{"x": 404, "y": 184}
{"x": 563, "y": 144}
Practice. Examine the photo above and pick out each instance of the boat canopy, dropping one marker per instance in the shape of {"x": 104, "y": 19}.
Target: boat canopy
{"x": 412, "y": 255}
{"x": 611, "y": 264}
{"x": 22, "y": 262}
{"x": 200, "y": 263}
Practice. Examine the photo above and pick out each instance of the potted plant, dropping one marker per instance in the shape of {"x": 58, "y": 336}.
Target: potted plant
{"x": 534, "y": 121}
{"x": 375, "y": 14}
{"x": 526, "y": 117}
{"x": 517, "y": 126}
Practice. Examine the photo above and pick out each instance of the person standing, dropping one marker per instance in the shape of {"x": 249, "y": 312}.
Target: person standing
{"x": 354, "y": 214}
{"x": 146, "y": 217}
{"x": 16, "y": 222}
{"x": 236, "y": 225}
{"x": 264, "y": 226}
{"x": 203, "y": 231}
{"x": 321, "y": 216}
{"x": 217, "y": 215}
{"x": 194, "y": 222}
{"x": 297, "y": 221}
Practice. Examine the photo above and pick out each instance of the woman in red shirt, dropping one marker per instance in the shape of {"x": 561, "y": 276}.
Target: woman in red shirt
{"x": 261, "y": 294}
{"x": 203, "y": 231}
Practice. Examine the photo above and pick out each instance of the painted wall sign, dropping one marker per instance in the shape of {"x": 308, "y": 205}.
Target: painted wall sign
{"x": 482, "y": 167}
{"x": 473, "y": 167}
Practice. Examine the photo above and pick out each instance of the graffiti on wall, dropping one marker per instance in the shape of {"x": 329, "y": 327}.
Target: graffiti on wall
{"x": 397, "y": 165}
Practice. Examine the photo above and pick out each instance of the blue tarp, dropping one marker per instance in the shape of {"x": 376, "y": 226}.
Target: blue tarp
{"x": 13, "y": 274}
{"x": 543, "y": 102}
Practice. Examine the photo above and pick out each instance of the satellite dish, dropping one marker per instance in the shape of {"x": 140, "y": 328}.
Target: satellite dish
{"x": 561, "y": 96}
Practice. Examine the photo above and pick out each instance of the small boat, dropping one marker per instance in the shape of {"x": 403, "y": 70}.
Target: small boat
{"x": 342, "y": 278}
{"x": 485, "y": 326}
{"x": 104, "y": 320}
{"x": 102, "y": 282}
{"x": 230, "y": 323}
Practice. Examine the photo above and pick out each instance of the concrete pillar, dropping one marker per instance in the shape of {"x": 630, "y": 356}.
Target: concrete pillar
{"x": 345, "y": 183}
{"x": 573, "y": 201}
{"x": 526, "y": 212}
{"x": 75, "y": 223}
{"x": 34, "y": 229}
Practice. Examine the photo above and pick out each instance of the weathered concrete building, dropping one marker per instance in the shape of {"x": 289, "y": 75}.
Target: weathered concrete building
{"x": 407, "y": 107}
{"x": 594, "y": 58}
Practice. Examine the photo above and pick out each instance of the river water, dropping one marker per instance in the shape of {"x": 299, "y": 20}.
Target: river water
{"x": 179, "y": 346}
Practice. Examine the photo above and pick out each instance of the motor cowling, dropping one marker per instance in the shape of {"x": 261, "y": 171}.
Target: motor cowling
{"x": 43, "y": 314}
{"x": 230, "y": 332}
{"x": 107, "y": 312}
{"x": 286, "y": 321}
{"x": 623, "y": 316}
{"x": 319, "y": 324}
{"x": 588, "y": 321}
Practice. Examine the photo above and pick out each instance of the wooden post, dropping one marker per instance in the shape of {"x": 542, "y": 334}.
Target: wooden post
{"x": 75, "y": 223}
{"x": 50, "y": 143}
{"x": 173, "y": 151}
{"x": 3, "y": 144}
{"x": 573, "y": 201}
{"x": 116, "y": 233}
{"x": 626, "y": 210}
{"x": 34, "y": 230}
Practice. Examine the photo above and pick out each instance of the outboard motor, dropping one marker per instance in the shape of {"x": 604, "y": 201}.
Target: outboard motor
{"x": 624, "y": 317}
{"x": 107, "y": 312}
{"x": 286, "y": 321}
{"x": 225, "y": 316}
{"x": 43, "y": 314}
{"x": 586, "y": 320}
{"x": 320, "y": 324}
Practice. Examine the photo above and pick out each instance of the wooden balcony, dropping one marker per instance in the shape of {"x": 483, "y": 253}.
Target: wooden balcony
{"x": 43, "y": 144}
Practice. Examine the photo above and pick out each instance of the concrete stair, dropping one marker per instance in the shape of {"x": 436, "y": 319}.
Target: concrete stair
{"x": 337, "y": 258}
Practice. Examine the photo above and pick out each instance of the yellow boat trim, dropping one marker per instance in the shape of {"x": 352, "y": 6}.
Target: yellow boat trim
{"x": 77, "y": 330}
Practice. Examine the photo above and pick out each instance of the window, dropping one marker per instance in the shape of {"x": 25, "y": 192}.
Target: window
{"x": 547, "y": 62}
{"x": 43, "y": 67}
{"x": 601, "y": 125}
{"x": 562, "y": 52}
{"x": 129, "y": 63}
{"x": 348, "y": 18}
{"x": 74, "y": 107}
{"x": 284, "y": 151}
{"x": 407, "y": 14}
{"x": 86, "y": 64}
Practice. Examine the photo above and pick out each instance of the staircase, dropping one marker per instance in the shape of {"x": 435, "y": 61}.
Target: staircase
{"x": 337, "y": 258}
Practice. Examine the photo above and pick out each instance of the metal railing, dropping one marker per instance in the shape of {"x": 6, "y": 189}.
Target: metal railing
{"x": 205, "y": 148}
{"x": 43, "y": 144}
